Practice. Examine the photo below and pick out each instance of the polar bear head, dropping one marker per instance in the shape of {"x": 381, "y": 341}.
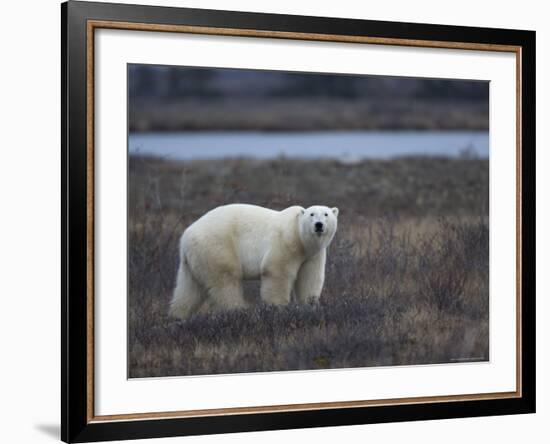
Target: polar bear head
{"x": 317, "y": 226}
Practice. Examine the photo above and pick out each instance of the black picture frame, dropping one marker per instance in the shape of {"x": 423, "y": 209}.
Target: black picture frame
{"x": 76, "y": 423}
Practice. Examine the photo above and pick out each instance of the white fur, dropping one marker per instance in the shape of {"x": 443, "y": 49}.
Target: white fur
{"x": 240, "y": 242}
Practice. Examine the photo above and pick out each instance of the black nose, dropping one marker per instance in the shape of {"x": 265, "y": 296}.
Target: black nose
{"x": 318, "y": 226}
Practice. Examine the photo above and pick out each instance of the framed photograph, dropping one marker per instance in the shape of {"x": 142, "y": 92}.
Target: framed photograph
{"x": 275, "y": 221}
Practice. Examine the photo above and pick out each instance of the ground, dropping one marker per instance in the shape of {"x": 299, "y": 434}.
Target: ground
{"x": 407, "y": 272}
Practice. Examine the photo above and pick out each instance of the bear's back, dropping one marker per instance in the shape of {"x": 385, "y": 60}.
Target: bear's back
{"x": 248, "y": 231}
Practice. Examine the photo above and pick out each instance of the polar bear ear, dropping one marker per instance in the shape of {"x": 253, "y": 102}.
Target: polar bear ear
{"x": 335, "y": 211}
{"x": 302, "y": 210}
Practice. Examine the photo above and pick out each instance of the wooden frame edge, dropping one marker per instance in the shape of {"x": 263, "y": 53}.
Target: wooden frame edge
{"x": 519, "y": 244}
{"x": 284, "y": 408}
{"x": 90, "y": 208}
{"x": 336, "y": 38}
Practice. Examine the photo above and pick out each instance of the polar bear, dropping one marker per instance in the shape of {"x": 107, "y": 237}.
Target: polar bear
{"x": 286, "y": 250}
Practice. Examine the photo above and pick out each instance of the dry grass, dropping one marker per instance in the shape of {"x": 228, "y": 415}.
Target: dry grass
{"x": 407, "y": 274}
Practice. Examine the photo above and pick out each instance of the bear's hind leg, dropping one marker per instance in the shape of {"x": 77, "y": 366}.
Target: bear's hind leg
{"x": 188, "y": 295}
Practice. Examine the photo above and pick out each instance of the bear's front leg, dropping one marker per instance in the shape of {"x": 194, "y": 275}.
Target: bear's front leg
{"x": 228, "y": 295}
{"x": 310, "y": 280}
{"x": 277, "y": 286}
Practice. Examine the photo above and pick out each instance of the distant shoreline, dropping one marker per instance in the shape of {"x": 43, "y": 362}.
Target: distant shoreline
{"x": 295, "y": 114}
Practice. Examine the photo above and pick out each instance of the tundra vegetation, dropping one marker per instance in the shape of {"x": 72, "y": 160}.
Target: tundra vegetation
{"x": 407, "y": 272}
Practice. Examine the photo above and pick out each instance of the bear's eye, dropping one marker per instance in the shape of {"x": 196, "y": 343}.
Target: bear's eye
{"x": 326, "y": 214}
{"x": 311, "y": 214}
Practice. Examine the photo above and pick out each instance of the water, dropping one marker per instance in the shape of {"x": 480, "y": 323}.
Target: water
{"x": 344, "y": 145}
